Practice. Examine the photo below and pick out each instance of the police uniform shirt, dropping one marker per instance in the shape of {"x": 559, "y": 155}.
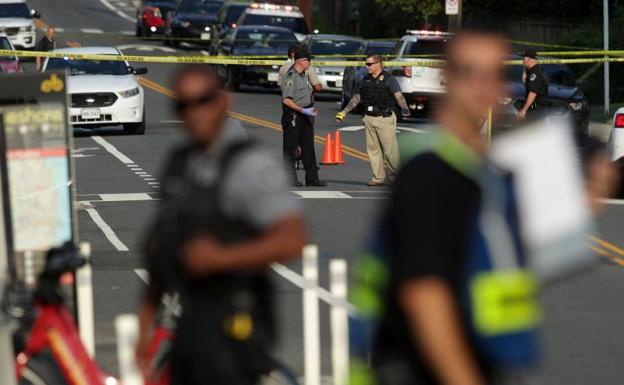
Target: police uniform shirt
{"x": 298, "y": 88}
{"x": 254, "y": 188}
{"x": 283, "y": 71}
{"x": 536, "y": 81}
{"x": 46, "y": 45}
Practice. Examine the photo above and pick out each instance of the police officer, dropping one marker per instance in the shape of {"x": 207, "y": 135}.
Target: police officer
{"x": 46, "y": 44}
{"x": 224, "y": 217}
{"x": 310, "y": 73}
{"x": 379, "y": 95}
{"x": 298, "y": 120}
{"x": 536, "y": 85}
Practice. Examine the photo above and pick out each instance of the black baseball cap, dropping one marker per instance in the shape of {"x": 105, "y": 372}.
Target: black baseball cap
{"x": 302, "y": 53}
{"x": 530, "y": 54}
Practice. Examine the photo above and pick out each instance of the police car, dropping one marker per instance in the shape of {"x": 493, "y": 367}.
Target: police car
{"x": 17, "y": 20}
{"x": 102, "y": 92}
{"x": 422, "y": 86}
{"x": 286, "y": 16}
{"x": 8, "y": 64}
{"x": 616, "y": 138}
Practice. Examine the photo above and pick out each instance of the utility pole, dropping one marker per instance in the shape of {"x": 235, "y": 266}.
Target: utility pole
{"x": 454, "y": 12}
{"x": 605, "y": 16}
{"x": 306, "y": 9}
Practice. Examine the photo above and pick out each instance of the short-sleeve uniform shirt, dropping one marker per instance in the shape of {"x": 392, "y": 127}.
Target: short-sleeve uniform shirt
{"x": 283, "y": 71}
{"x": 297, "y": 87}
{"x": 536, "y": 81}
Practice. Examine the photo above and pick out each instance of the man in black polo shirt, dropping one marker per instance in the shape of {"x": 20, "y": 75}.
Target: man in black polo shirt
{"x": 46, "y": 44}
{"x": 536, "y": 85}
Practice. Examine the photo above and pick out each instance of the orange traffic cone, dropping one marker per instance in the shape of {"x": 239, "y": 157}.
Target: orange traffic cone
{"x": 328, "y": 154}
{"x": 338, "y": 158}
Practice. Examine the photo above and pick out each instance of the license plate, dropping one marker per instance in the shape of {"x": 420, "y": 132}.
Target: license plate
{"x": 205, "y": 36}
{"x": 418, "y": 71}
{"x": 90, "y": 113}
{"x": 273, "y": 76}
{"x": 339, "y": 83}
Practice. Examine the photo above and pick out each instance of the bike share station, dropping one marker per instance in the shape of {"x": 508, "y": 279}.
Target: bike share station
{"x": 37, "y": 213}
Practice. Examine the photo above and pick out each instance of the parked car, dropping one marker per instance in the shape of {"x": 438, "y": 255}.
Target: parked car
{"x": 422, "y": 86}
{"x": 150, "y": 16}
{"x": 286, "y": 16}
{"x": 192, "y": 22}
{"x": 18, "y": 23}
{"x": 353, "y": 76}
{"x": 252, "y": 40}
{"x": 564, "y": 97}
{"x": 102, "y": 92}
{"x": 227, "y": 17}
{"x": 339, "y": 47}
{"x": 615, "y": 145}
{"x": 9, "y": 64}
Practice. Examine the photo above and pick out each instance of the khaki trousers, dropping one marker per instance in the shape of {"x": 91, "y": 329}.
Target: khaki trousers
{"x": 382, "y": 146}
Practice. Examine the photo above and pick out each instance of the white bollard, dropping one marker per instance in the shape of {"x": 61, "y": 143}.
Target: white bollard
{"x": 84, "y": 301}
{"x": 127, "y": 328}
{"x": 339, "y": 320}
{"x": 311, "y": 328}
{"x": 7, "y": 358}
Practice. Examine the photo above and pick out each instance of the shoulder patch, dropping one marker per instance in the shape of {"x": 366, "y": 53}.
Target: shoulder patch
{"x": 533, "y": 77}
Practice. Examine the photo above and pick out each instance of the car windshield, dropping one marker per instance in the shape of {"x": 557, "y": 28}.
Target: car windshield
{"x": 5, "y": 44}
{"x": 379, "y": 49}
{"x": 557, "y": 74}
{"x": 14, "y": 10}
{"x": 201, "y": 6}
{"x": 264, "y": 39}
{"x": 295, "y": 24}
{"x": 89, "y": 67}
{"x": 423, "y": 47}
{"x": 234, "y": 13}
{"x": 334, "y": 47}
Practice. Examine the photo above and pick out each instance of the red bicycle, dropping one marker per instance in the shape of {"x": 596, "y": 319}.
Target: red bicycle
{"x": 48, "y": 342}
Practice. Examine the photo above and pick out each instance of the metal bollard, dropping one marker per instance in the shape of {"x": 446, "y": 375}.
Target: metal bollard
{"x": 311, "y": 328}
{"x": 339, "y": 320}
{"x": 84, "y": 300}
{"x": 127, "y": 328}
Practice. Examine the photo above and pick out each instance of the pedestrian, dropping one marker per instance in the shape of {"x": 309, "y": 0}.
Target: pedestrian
{"x": 298, "y": 120}
{"x": 225, "y": 217}
{"x": 379, "y": 95}
{"x": 460, "y": 303}
{"x": 536, "y": 87}
{"x": 310, "y": 73}
{"x": 46, "y": 44}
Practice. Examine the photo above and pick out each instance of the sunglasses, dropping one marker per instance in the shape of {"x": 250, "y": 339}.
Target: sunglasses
{"x": 371, "y": 64}
{"x": 183, "y": 105}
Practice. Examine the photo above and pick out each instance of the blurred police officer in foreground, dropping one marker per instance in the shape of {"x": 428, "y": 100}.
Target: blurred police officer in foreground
{"x": 225, "y": 216}
{"x": 536, "y": 85}
{"x": 379, "y": 95}
{"x": 298, "y": 120}
{"x": 310, "y": 73}
{"x": 46, "y": 44}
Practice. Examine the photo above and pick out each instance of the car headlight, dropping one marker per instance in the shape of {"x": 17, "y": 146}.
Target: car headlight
{"x": 185, "y": 24}
{"x": 25, "y": 29}
{"x": 207, "y": 29}
{"x": 576, "y": 106}
{"x": 504, "y": 100}
{"x": 129, "y": 93}
{"x": 318, "y": 70}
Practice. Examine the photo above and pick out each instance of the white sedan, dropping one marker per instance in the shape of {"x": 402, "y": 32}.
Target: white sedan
{"x": 616, "y": 138}
{"x": 102, "y": 92}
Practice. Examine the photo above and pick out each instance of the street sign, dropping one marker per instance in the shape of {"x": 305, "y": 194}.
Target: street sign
{"x": 452, "y": 7}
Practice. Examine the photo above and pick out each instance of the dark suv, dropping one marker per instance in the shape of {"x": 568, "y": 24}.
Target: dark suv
{"x": 192, "y": 22}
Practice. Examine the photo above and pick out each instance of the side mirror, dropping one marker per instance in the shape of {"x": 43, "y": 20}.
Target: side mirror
{"x": 35, "y": 14}
{"x": 139, "y": 71}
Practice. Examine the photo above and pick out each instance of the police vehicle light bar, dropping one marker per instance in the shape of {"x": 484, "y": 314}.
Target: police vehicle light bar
{"x": 424, "y": 32}
{"x": 274, "y": 7}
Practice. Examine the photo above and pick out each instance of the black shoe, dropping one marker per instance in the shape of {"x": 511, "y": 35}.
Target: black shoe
{"x": 317, "y": 183}
{"x": 296, "y": 184}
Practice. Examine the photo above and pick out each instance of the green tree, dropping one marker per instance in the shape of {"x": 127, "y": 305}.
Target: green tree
{"x": 405, "y": 11}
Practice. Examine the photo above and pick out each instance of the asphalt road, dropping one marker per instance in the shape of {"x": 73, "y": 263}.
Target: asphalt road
{"x": 585, "y": 342}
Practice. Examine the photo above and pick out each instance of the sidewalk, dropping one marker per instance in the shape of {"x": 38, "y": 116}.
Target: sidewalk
{"x": 599, "y": 131}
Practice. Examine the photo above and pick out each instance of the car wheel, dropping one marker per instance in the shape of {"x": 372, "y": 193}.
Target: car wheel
{"x": 135, "y": 128}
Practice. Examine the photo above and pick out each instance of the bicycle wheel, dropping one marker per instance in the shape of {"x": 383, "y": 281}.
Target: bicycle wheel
{"x": 42, "y": 370}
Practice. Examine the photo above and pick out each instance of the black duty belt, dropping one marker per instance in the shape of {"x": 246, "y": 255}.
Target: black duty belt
{"x": 384, "y": 113}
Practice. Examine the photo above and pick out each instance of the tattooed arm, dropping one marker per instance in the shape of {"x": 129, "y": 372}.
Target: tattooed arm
{"x": 405, "y": 111}
{"x": 355, "y": 100}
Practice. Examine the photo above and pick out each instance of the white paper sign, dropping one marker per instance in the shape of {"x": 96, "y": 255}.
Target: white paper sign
{"x": 452, "y": 7}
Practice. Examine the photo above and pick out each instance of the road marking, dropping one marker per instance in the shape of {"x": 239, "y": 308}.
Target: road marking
{"x": 618, "y": 202}
{"x": 107, "y": 230}
{"x": 125, "y": 197}
{"x": 322, "y": 195}
{"x": 128, "y": 33}
{"x": 59, "y": 29}
{"x": 117, "y": 11}
{"x": 91, "y": 30}
{"x": 112, "y": 150}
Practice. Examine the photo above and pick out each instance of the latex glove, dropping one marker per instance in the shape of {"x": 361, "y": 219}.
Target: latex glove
{"x": 340, "y": 116}
{"x": 405, "y": 112}
{"x": 310, "y": 111}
